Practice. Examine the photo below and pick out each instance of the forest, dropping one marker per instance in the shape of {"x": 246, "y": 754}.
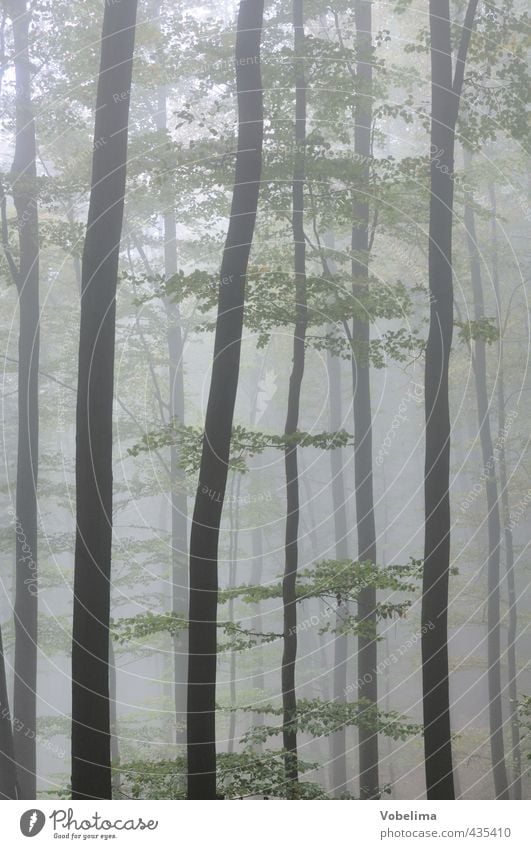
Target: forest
{"x": 266, "y": 492}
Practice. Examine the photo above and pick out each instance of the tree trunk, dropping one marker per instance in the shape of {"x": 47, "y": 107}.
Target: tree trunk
{"x": 493, "y": 514}
{"x": 338, "y": 741}
{"x": 8, "y": 774}
{"x": 113, "y": 720}
{"x": 445, "y": 94}
{"x": 91, "y": 772}
{"x": 23, "y": 175}
{"x": 257, "y": 625}
{"x": 289, "y": 598}
{"x": 179, "y": 507}
{"x": 367, "y": 646}
{"x": 220, "y": 410}
{"x": 516, "y": 752}
{"x": 234, "y": 513}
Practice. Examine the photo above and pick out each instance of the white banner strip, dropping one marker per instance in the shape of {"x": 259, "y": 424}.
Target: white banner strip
{"x": 175, "y": 824}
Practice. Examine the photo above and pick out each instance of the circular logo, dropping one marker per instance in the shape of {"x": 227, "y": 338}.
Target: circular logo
{"x": 32, "y": 822}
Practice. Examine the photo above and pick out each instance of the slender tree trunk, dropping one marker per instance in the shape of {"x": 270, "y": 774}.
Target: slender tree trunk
{"x": 338, "y": 741}
{"x": 23, "y": 175}
{"x": 113, "y": 709}
{"x": 220, "y": 410}
{"x": 91, "y": 772}
{"x": 233, "y": 578}
{"x": 179, "y": 507}
{"x": 8, "y": 773}
{"x": 493, "y": 514}
{"x": 367, "y": 646}
{"x": 445, "y": 94}
{"x": 289, "y": 598}
{"x": 257, "y": 622}
{"x": 516, "y": 752}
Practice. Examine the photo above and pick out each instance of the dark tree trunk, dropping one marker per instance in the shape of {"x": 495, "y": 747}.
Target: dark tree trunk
{"x": 91, "y": 772}
{"x": 23, "y": 175}
{"x": 516, "y": 753}
{"x": 179, "y": 507}
{"x": 289, "y": 654}
{"x": 338, "y": 741}
{"x": 367, "y": 646}
{"x": 499, "y": 771}
{"x": 220, "y": 410}
{"x": 445, "y": 93}
{"x": 8, "y": 775}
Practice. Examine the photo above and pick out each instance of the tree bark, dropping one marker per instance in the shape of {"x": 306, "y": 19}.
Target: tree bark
{"x": 91, "y": 770}
{"x": 499, "y": 771}
{"x": 289, "y": 598}
{"x": 445, "y": 94}
{"x": 367, "y": 646}
{"x": 23, "y": 175}
{"x": 210, "y": 494}
{"x": 516, "y": 752}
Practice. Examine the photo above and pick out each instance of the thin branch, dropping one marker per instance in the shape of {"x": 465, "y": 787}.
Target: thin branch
{"x": 5, "y": 239}
{"x": 462, "y": 50}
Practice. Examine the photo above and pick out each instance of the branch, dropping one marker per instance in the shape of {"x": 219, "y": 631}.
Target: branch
{"x": 462, "y": 50}
{"x": 5, "y": 238}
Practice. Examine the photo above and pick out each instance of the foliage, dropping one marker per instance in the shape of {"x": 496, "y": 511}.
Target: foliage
{"x": 320, "y": 718}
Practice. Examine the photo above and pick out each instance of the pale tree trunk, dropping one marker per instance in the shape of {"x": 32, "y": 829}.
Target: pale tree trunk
{"x": 8, "y": 776}
{"x": 113, "y": 708}
{"x": 338, "y": 741}
{"x": 23, "y": 175}
{"x": 516, "y": 751}
{"x": 493, "y": 513}
{"x": 179, "y": 507}
{"x": 234, "y": 513}
{"x": 257, "y": 623}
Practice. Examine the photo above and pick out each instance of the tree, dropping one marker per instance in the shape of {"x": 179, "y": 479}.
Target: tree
{"x": 91, "y": 765}
{"x": 289, "y": 598}
{"x": 26, "y": 277}
{"x": 8, "y": 775}
{"x": 446, "y": 86}
{"x": 179, "y": 506}
{"x": 367, "y": 646}
{"x": 213, "y": 470}
{"x": 493, "y": 510}
{"x": 338, "y": 741}
{"x": 516, "y": 758}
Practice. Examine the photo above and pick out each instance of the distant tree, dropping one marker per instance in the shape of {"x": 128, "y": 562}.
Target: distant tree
{"x": 499, "y": 770}
{"x": 91, "y": 757}
{"x": 338, "y": 741}
{"x": 8, "y": 775}
{"x": 25, "y": 273}
{"x": 516, "y": 755}
{"x": 179, "y": 501}
{"x": 213, "y": 470}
